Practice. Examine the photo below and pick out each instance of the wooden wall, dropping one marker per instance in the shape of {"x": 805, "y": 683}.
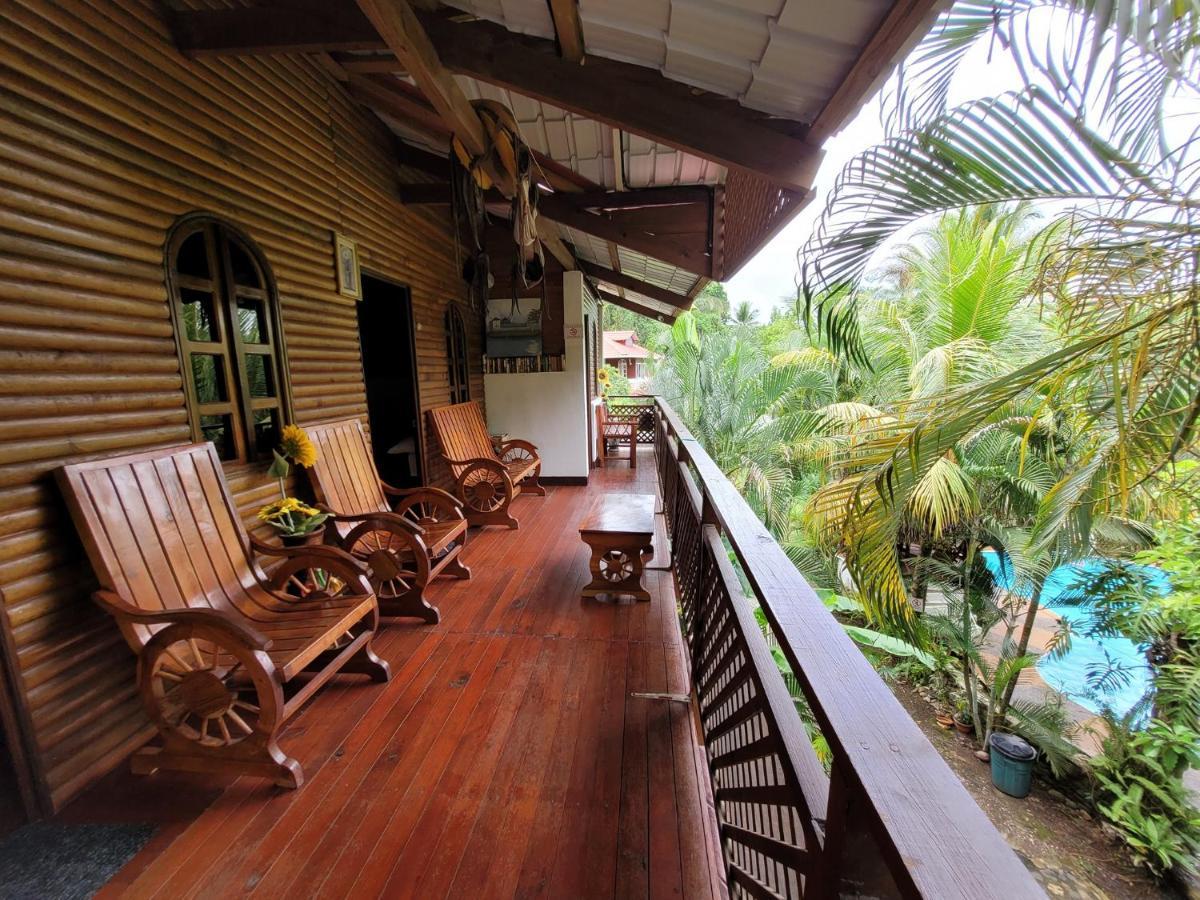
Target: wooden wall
{"x": 107, "y": 135}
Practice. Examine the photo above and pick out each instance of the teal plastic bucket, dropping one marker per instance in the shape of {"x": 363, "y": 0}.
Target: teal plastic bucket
{"x": 1012, "y": 764}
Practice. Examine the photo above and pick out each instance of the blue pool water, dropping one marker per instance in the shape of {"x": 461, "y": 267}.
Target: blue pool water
{"x": 1068, "y": 674}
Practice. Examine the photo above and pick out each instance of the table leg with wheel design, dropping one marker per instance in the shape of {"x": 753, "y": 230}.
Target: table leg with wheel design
{"x": 616, "y": 565}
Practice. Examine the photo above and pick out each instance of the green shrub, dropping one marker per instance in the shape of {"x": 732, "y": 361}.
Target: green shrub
{"x": 1140, "y": 791}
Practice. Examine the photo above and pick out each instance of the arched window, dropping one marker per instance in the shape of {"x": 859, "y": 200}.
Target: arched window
{"x": 456, "y": 356}
{"x": 226, "y": 317}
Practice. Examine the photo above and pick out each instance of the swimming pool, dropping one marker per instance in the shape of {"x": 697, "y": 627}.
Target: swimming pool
{"x": 1069, "y": 674}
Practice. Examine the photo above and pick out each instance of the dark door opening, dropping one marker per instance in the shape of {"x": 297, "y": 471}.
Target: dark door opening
{"x": 385, "y": 330}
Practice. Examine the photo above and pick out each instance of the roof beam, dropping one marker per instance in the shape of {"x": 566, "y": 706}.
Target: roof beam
{"x": 403, "y": 102}
{"x": 683, "y": 251}
{"x": 902, "y": 27}
{"x": 404, "y": 35}
{"x": 634, "y": 98}
{"x": 622, "y": 280}
{"x": 568, "y": 29}
{"x": 638, "y": 198}
{"x": 631, "y": 304}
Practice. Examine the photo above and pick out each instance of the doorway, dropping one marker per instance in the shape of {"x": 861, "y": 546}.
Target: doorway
{"x": 385, "y": 332}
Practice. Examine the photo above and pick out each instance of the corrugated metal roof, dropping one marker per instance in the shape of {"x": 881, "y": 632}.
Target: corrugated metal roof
{"x": 783, "y": 57}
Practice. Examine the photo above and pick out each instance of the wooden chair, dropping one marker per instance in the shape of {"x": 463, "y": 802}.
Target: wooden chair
{"x": 611, "y": 429}
{"x": 221, "y": 646}
{"x": 403, "y": 546}
{"x": 486, "y": 481}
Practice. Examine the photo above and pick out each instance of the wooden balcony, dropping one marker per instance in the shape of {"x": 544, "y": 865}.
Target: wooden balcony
{"x": 516, "y": 752}
{"x": 508, "y": 756}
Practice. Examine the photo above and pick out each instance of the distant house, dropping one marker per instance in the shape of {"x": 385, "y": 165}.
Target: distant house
{"x": 625, "y": 354}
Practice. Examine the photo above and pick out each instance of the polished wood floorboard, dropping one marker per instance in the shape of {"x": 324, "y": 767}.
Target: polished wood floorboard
{"x": 506, "y": 758}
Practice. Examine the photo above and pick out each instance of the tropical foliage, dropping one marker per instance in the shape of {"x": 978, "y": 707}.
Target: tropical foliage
{"x": 1018, "y": 374}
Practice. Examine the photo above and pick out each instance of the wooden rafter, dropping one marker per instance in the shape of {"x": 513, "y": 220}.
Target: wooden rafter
{"x": 634, "y": 98}
{"x": 404, "y": 35}
{"x": 664, "y": 314}
{"x": 688, "y": 252}
{"x": 568, "y": 29}
{"x": 624, "y": 280}
{"x": 902, "y": 27}
{"x": 682, "y": 244}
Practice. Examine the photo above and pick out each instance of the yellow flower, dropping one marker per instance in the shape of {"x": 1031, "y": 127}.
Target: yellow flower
{"x": 280, "y": 508}
{"x": 603, "y": 377}
{"x": 295, "y": 445}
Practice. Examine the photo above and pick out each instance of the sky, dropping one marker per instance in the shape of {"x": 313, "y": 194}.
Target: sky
{"x": 771, "y": 274}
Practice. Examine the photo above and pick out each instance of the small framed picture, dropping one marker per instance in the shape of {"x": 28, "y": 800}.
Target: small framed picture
{"x": 346, "y": 254}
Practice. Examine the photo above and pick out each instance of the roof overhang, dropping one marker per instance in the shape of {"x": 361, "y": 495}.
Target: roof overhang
{"x": 672, "y": 139}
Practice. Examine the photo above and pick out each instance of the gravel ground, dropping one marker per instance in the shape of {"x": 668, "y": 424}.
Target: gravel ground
{"x": 1059, "y": 841}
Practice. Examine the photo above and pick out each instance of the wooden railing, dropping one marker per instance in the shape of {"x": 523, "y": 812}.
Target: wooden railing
{"x": 891, "y": 818}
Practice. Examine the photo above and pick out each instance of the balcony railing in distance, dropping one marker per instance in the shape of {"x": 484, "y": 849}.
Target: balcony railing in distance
{"x": 891, "y": 818}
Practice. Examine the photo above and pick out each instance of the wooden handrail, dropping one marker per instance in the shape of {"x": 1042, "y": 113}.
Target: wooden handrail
{"x": 889, "y": 787}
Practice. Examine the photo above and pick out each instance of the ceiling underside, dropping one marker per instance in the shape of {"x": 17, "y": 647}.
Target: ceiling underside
{"x": 766, "y": 81}
{"x": 783, "y": 57}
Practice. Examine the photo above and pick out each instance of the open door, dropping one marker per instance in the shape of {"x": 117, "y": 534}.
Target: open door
{"x": 385, "y": 328}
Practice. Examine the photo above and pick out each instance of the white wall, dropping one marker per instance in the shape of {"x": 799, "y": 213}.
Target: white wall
{"x": 549, "y": 408}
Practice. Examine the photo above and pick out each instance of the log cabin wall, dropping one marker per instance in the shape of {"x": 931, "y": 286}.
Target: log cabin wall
{"x": 107, "y": 136}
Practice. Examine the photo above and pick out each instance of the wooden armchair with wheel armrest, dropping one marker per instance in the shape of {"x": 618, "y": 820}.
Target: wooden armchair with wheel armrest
{"x": 487, "y": 479}
{"x": 611, "y": 429}
{"x": 404, "y": 544}
{"x": 221, "y": 645}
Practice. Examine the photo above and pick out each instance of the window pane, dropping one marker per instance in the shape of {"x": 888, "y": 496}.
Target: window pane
{"x": 252, "y": 322}
{"x": 259, "y": 376}
{"x": 208, "y": 376}
{"x": 244, "y": 270}
{"x": 219, "y": 430}
{"x": 193, "y": 257}
{"x": 266, "y": 430}
{"x": 198, "y": 321}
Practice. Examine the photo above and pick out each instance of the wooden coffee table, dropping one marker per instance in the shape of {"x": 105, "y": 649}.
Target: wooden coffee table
{"x": 619, "y": 529}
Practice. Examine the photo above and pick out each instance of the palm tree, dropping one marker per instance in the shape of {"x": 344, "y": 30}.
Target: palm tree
{"x": 1119, "y": 272}
{"x": 748, "y": 411}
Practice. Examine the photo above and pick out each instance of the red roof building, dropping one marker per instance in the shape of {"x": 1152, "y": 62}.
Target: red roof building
{"x": 625, "y": 354}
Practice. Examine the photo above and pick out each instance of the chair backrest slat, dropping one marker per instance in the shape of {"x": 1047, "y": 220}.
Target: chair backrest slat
{"x": 161, "y": 530}
{"x": 344, "y": 477}
{"x": 462, "y": 432}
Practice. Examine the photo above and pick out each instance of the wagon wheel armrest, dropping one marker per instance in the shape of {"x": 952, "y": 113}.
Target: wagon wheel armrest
{"x": 383, "y": 519}
{"x": 425, "y": 491}
{"x": 518, "y": 444}
{"x": 244, "y": 634}
{"x": 322, "y": 556}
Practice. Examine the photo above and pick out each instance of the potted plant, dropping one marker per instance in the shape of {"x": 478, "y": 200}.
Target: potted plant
{"x": 963, "y": 719}
{"x": 296, "y": 521}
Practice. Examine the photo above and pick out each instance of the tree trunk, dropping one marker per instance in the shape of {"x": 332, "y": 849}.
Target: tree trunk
{"x": 1022, "y": 649}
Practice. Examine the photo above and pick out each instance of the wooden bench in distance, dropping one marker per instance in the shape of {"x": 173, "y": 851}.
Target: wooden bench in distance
{"x": 486, "y": 482}
{"x": 619, "y": 529}
{"x": 220, "y": 645}
{"x": 404, "y": 546}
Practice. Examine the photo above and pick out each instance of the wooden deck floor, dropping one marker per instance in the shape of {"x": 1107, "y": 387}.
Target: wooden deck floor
{"x": 506, "y": 758}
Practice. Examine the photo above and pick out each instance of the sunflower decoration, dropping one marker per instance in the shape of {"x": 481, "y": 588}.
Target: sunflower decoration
{"x": 605, "y": 381}
{"x": 291, "y": 516}
{"x": 295, "y": 446}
